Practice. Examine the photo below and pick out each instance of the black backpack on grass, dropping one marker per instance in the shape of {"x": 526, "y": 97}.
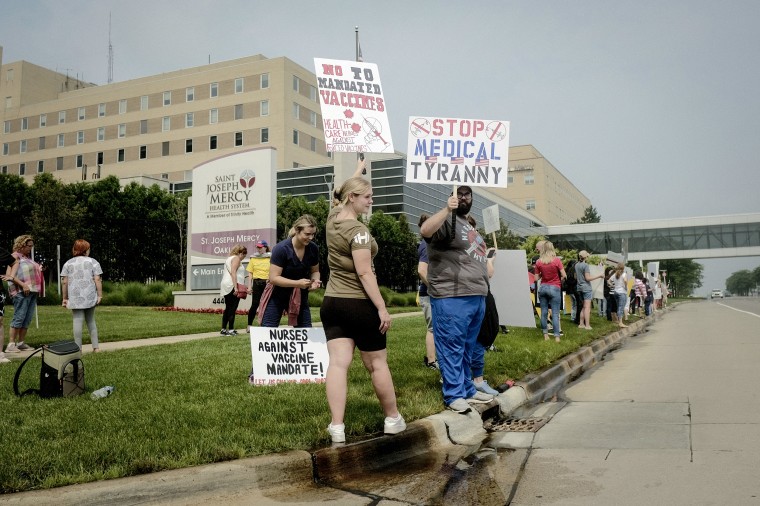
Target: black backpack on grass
{"x": 61, "y": 373}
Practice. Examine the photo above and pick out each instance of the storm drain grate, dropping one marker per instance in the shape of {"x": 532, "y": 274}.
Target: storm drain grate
{"x": 518, "y": 425}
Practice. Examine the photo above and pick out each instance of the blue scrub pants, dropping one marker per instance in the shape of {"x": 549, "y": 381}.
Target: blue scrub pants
{"x": 456, "y": 324}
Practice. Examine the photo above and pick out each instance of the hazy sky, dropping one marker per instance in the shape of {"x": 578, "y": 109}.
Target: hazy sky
{"x": 651, "y": 108}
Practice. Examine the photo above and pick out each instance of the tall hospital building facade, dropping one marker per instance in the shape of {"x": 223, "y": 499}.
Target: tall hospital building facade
{"x": 157, "y": 129}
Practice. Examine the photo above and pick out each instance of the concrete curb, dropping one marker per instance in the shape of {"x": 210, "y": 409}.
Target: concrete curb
{"x": 447, "y": 428}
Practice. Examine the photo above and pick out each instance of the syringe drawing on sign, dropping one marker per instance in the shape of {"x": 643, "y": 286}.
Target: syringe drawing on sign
{"x": 373, "y": 128}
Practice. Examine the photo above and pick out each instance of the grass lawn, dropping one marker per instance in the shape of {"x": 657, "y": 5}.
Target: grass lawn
{"x": 188, "y": 404}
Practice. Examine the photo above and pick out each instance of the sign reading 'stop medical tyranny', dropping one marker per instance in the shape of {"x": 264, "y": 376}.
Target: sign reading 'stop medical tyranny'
{"x": 354, "y": 116}
{"x": 457, "y": 151}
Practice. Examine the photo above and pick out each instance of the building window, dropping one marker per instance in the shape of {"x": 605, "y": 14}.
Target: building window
{"x": 144, "y": 103}
{"x": 189, "y": 120}
{"x": 264, "y": 135}
{"x": 188, "y": 145}
{"x": 6, "y": 148}
{"x": 9, "y": 75}
{"x": 296, "y": 110}
{"x": 313, "y": 93}
{"x": 143, "y": 126}
{"x": 264, "y": 108}
{"x": 213, "y": 116}
{"x": 42, "y": 143}
{"x": 21, "y": 169}
{"x": 120, "y": 155}
{"x": 61, "y": 141}
{"x": 238, "y": 138}
{"x": 122, "y": 106}
{"x": 7, "y": 127}
{"x": 295, "y": 137}
{"x": 165, "y": 175}
{"x": 122, "y": 130}
{"x": 239, "y": 85}
{"x": 8, "y": 102}
{"x": 238, "y": 111}
{"x": 166, "y": 124}
{"x": 189, "y": 94}
{"x": 4, "y": 169}
{"x": 296, "y": 84}
{"x": 264, "y": 81}
{"x": 101, "y": 134}
{"x": 40, "y": 167}
{"x": 80, "y": 161}
{"x": 59, "y": 163}
{"x": 43, "y": 120}
{"x": 101, "y": 110}
{"x": 528, "y": 180}
{"x": 80, "y": 137}
{"x": 61, "y": 117}
{"x": 313, "y": 145}
{"x": 167, "y": 98}
{"x": 296, "y": 165}
{"x": 510, "y": 180}
{"x": 313, "y": 118}
{"x": 22, "y": 146}
{"x": 213, "y": 90}
{"x": 143, "y": 152}
{"x": 100, "y": 158}
{"x": 212, "y": 142}
{"x": 165, "y": 148}
{"x": 24, "y": 124}
{"x": 530, "y": 204}
{"x": 81, "y": 114}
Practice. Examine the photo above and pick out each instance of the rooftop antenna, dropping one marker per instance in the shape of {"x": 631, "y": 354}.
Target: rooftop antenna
{"x": 110, "y": 52}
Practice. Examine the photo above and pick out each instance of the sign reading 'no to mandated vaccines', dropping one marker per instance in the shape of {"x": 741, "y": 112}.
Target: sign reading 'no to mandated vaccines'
{"x": 457, "y": 151}
{"x": 354, "y": 116}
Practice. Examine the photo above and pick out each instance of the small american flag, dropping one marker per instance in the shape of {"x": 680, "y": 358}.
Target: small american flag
{"x": 431, "y": 159}
{"x": 481, "y": 161}
{"x": 457, "y": 159}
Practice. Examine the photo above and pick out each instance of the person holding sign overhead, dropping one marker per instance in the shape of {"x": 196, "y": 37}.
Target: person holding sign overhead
{"x": 458, "y": 284}
{"x": 353, "y": 311}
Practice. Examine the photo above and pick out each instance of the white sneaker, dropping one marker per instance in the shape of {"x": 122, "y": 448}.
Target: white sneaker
{"x": 3, "y": 358}
{"x": 337, "y": 432}
{"x": 11, "y": 348}
{"x": 480, "y": 398}
{"x": 459, "y": 406}
{"x": 394, "y": 425}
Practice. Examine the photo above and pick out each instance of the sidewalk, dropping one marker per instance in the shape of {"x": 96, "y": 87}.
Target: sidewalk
{"x": 342, "y": 471}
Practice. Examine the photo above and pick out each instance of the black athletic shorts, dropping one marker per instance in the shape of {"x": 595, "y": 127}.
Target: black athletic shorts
{"x": 355, "y": 319}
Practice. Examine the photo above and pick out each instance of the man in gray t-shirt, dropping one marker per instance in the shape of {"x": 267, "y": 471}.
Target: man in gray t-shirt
{"x": 457, "y": 284}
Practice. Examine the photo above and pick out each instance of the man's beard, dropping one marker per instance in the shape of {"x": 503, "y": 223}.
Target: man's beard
{"x": 464, "y": 209}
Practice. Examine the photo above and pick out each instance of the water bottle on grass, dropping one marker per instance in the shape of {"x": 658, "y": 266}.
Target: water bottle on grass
{"x": 101, "y": 392}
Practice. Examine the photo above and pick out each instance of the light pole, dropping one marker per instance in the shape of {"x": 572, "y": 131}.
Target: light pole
{"x": 329, "y": 181}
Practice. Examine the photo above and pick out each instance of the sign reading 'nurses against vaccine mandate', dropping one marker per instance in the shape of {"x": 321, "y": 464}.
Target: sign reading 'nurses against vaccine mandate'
{"x": 288, "y": 355}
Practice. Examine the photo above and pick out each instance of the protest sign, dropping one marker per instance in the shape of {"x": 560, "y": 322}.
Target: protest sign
{"x": 288, "y": 355}
{"x": 491, "y": 219}
{"x": 457, "y": 151}
{"x": 354, "y": 116}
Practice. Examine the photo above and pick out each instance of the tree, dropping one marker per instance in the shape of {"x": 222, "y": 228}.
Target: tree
{"x": 15, "y": 208}
{"x": 396, "y": 262}
{"x": 590, "y": 215}
{"x": 741, "y": 282}
{"x": 179, "y": 216}
{"x": 55, "y": 220}
{"x": 505, "y": 239}
{"x": 683, "y": 276}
